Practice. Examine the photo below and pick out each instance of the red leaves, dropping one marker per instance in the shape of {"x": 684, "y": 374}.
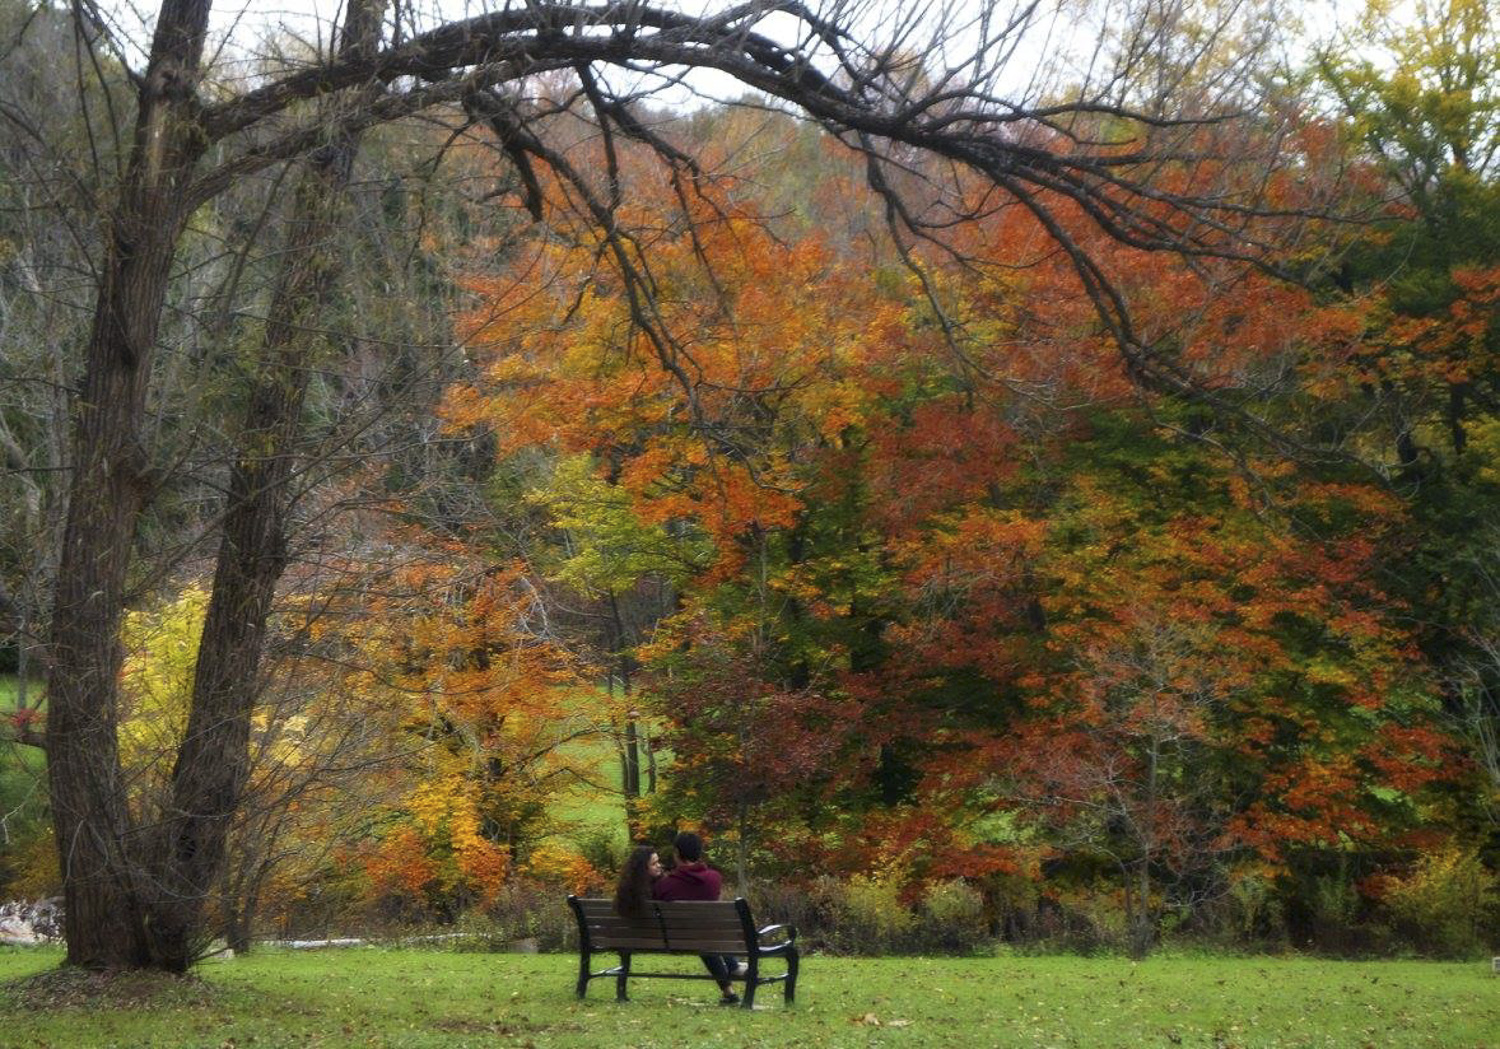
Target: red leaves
{"x": 933, "y": 558}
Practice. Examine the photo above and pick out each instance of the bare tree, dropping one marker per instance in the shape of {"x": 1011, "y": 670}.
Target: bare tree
{"x": 963, "y": 126}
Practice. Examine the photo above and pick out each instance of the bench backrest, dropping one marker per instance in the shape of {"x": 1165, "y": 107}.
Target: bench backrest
{"x": 687, "y": 926}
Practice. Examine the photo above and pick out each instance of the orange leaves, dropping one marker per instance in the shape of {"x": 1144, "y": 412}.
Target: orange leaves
{"x": 1474, "y": 315}
{"x": 464, "y": 643}
{"x": 1449, "y": 344}
{"x": 440, "y": 853}
{"x": 968, "y": 577}
{"x": 945, "y": 453}
{"x": 974, "y": 546}
{"x": 552, "y": 864}
{"x": 930, "y": 549}
{"x": 459, "y": 650}
{"x": 1408, "y": 758}
{"x": 1193, "y": 636}
{"x": 400, "y": 864}
{"x": 1316, "y": 802}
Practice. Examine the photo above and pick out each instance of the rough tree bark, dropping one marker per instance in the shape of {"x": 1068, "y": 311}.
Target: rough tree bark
{"x": 111, "y": 481}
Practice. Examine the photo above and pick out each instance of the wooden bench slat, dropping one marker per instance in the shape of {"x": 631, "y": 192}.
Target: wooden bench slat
{"x": 672, "y": 917}
{"x": 626, "y": 944}
{"x": 624, "y": 923}
{"x": 736, "y": 947}
{"x": 717, "y": 929}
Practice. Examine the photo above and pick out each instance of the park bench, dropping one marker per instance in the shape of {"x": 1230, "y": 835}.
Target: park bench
{"x": 682, "y": 927}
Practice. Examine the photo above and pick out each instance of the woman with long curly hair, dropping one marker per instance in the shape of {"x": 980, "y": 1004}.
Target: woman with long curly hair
{"x": 633, "y": 893}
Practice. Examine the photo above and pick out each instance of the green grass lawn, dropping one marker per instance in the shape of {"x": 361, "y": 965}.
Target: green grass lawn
{"x": 593, "y": 806}
{"x": 22, "y": 770}
{"x": 10, "y": 687}
{"x": 374, "y": 997}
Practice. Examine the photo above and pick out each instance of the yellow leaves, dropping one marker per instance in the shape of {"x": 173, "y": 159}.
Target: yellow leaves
{"x": 556, "y": 864}
{"x": 157, "y": 678}
{"x": 433, "y": 801}
{"x": 838, "y": 406}
{"x": 446, "y": 832}
{"x": 1484, "y": 445}
{"x": 1323, "y": 672}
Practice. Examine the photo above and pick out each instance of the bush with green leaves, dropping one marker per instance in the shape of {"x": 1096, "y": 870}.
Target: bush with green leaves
{"x": 951, "y": 918}
{"x": 1447, "y": 907}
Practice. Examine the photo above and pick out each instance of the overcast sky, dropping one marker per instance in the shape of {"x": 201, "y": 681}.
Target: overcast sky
{"x": 246, "y": 24}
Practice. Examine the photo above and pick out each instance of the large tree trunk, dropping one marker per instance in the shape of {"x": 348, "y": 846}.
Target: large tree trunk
{"x": 213, "y": 761}
{"x": 110, "y": 483}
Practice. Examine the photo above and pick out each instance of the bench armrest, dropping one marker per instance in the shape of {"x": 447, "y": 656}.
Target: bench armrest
{"x": 788, "y": 933}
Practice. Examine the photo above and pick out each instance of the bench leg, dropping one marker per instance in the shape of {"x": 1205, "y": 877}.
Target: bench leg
{"x": 752, "y": 981}
{"x": 620, "y": 995}
{"x": 790, "y": 990}
{"x": 583, "y": 972}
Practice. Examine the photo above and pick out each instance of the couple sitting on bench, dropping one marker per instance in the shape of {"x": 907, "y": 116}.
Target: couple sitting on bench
{"x": 642, "y": 881}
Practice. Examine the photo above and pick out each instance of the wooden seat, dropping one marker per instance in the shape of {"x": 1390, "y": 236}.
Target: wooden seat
{"x": 683, "y": 927}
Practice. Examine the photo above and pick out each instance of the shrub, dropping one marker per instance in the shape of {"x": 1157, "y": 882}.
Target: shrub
{"x": 31, "y": 865}
{"x": 565, "y": 868}
{"x": 529, "y": 910}
{"x": 952, "y": 918}
{"x": 865, "y": 915}
{"x": 1332, "y": 906}
{"x": 604, "y": 849}
{"x": 1445, "y": 906}
{"x": 807, "y": 908}
{"x": 1015, "y": 907}
{"x": 1253, "y": 912}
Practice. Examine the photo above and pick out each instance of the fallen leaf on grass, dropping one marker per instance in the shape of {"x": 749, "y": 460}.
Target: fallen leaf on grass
{"x": 871, "y": 1020}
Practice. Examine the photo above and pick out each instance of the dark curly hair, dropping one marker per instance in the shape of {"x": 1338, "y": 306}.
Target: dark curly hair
{"x": 633, "y": 893}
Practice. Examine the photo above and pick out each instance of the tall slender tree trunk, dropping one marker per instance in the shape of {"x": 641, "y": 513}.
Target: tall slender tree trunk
{"x": 742, "y": 848}
{"x": 630, "y": 751}
{"x": 103, "y": 918}
{"x": 632, "y": 759}
{"x": 650, "y": 762}
{"x": 209, "y": 777}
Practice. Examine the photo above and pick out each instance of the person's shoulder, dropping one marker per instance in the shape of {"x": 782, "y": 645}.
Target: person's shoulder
{"x": 711, "y": 881}
{"x": 666, "y": 886}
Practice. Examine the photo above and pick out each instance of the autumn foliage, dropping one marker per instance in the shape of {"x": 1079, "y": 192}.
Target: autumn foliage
{"x": 892, "y": 567}
{"x": 954, "y": 599}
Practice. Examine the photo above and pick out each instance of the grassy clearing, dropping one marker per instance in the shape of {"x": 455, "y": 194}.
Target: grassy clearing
{"x": 22, "y": 768}
{"x": 592, "y": 806}
{"x": 10, "y": 687}
{"x": 388, "y": 998}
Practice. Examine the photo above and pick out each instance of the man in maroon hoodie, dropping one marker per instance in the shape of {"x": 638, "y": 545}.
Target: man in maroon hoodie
{"x": 692, "y": 879}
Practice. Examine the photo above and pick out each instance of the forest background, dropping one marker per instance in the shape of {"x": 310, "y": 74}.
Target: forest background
{"x": 663, "y": 471}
